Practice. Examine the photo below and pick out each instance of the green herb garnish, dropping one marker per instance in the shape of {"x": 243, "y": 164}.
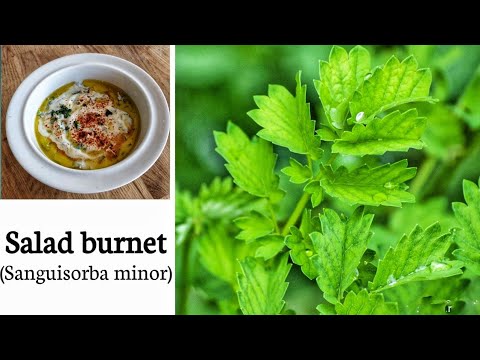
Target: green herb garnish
{"x": 65, "y": 111}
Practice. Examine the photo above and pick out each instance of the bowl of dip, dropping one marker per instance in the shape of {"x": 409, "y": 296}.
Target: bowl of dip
{"x": 87, "y": 123}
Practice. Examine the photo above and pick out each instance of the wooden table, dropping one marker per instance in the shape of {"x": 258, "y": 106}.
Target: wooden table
{"x": 19, "y": 61}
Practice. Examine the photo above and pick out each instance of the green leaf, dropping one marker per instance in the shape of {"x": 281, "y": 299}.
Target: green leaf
{"x": 366, "y": 271}
{"x": 326, "y": 134}
{"x": 314, "y": 188}
{"x": 395, "y": 132}
{"x": 339, "y": 249}
{"x": 221, "y": 201}
{"x": 183, "y": 214}
{"x": 468, "y": 237}
{"x": 212, "y": 287}
{"x": 326, "y": 309}
{"x": 298, "y": 173}
{"x": 316, "y": 198}
{"x": 250, "y": 162}
{"x": 382, "y": 185}
{"x": 339, "y": 78}
{"x": 286, "y": 119}
{"x": 364, "y": 303}
{"x": 181, "y": 232}
{"x": 418, "y": 256}
{"x": 216, "y": 244}
{"x": 183, "y": 206}
{"x": 392, "y": 85}
{"x": 262, "y": 285}
{"x": 254, "y": 226}
{"x": 301, "y": 246}
{"x": 269, "y": 246}
{"x": 429, "y": 297}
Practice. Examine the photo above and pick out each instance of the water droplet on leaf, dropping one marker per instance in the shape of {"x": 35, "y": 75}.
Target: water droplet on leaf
{"x": 391, "y": 280}
{"x": 309, "y": 253}
{"x": 379, "y": 197}
{"x": 389, "y": 185}
{"x": 420, "y": 268}
{"x": 436, "y": 266}
{"x": 448, "y": 306}
{"x": 360, "y": 116}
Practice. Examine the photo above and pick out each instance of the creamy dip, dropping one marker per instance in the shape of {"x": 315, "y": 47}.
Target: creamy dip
{"x": 88, "y": 125}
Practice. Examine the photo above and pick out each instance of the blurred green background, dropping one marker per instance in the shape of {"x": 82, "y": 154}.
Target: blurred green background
{"x": 215, "y": 84}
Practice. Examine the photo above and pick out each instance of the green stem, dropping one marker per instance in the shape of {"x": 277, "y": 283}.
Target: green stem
{"x": 309, "y": 160}
{"x": 423, "y": 175}
{"x": 302, "y": 202}
{"x": 274, "y": 218}
{"x": 292, "y": 220}
{"x": 332, "y": 159}
{"x": 184, "y": 290}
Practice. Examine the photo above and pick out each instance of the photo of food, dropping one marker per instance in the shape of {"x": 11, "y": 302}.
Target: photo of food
{"x": 84, "y": 122}
{"x": 100, "y": 129}
{"x": 328, "y": 180}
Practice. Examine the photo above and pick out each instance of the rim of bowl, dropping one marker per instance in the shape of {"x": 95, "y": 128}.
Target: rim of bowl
{"x": 143, "y": 156}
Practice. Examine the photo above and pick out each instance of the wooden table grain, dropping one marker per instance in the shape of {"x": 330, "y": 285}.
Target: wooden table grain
{"x": 18, "y": 61}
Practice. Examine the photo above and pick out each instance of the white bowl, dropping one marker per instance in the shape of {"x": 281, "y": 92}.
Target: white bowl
{"x": 140, "y": 86}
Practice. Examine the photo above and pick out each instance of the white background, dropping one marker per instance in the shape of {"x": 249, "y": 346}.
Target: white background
{"x": 100, "y": 218}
